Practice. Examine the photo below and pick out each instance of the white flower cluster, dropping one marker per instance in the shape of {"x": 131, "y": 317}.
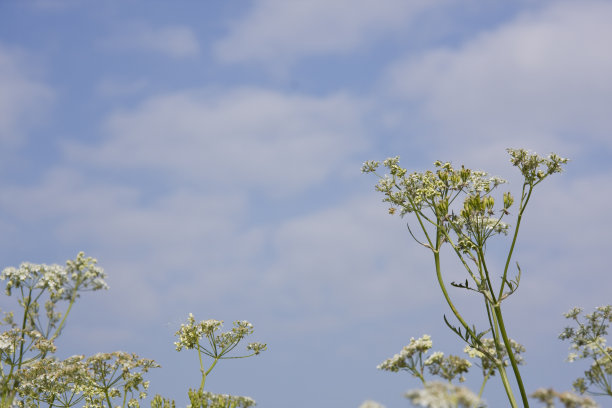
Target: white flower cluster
{"x": 190, "y": 334}
{"x": 568, "y": 399}
{"x": 535, "y": 168}
{"x": 93, "y": 380}
{"x": 256, "y": 347}
{"x": 61, "y": 282}
{"x": 205, "y": 399}
{"x": 51, "y": 277}
{"x": 7, "y": 342}
{"x": 435, "y": 358}
{"x": 588, "y": 342}
{"x": 401, "y": 360}
{"x": 371, "y": 404}
{"x": 488, "y": 366}
{"x": 444, "y": 395}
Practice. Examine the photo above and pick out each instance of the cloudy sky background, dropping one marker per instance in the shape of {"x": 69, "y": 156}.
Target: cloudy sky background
{"x": 209, "y": 154}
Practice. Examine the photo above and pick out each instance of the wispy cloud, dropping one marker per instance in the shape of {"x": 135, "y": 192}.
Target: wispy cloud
{"x": 277, "y": 33}
{"x": 23, "y": 99}
{"x": 248, "y": 138}
{"x": 540, "y": 79}
{"x": 173, "y": 41}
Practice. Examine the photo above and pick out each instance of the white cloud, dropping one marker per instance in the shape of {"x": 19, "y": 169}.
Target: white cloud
{"x": 350, "y": 261}
{"x": 279, "y": 32}
{"x": 188, "y": 241}
{"x": 185, "y": 249}
{"x": 22, "y": 100}
{"x": 541, "y": 80}
{"x": 180, "y": 241}
{"x": 249, "y": 138}
{"x": 173, "y": 41}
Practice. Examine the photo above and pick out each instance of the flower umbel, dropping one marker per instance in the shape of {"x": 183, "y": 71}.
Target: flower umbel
{"x": 193, "y": 335}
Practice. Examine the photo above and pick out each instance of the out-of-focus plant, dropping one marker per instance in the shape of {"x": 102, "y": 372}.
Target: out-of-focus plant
{"x": 31, "y": 377}
{"x": 567, "y": 398}
{"x": 413, "y": 358}
{"x": 588, "y": 342}
{"x": 457, "y": 207}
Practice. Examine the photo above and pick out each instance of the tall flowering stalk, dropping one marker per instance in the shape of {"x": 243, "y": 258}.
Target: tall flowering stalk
{"x": 457, "y": 207}
{"x": 205, "y": 337}
{"x": 31, "y": 337}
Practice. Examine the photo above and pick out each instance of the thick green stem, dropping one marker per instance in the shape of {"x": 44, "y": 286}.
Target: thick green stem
{"x": 467, "y": 327}
{"x": 517, "y": 373}
{"x": 507, "y": 387}
{"x": 498, "y": 348}
{"x": 108, "y": 401}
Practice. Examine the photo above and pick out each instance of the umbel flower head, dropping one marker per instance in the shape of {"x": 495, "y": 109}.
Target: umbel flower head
{"x": 432, "y": 190}
{"x": 444, "y": 395}
{"x": 588, "y": 342}
{"x": 405, "y": 359}
{"x": 79, "y": 274}
{"x": 211, "y": 400}
{"x": 371, "y": 404}
{"x": 488, "y": 366}
{"x": 535, "y": 168}
{"x": 191, "y": 334}
{"x": 94, "y": 380}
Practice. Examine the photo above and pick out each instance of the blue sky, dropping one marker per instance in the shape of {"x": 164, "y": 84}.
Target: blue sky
{"x": 209, "y": 154}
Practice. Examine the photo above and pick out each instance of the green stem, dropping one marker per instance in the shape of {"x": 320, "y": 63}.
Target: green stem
{"x": 201, "y": 367}
{"x": 484, "y": 382}
{"x": 445, "y": 293}
{"x": 517, "y": 373}
{"x": 458, "y": 253}
{"x": 26, "y": 311}
{"x": 506, "y": 382}
{"x": 436, "y": 252}
{"x": 9, "y": 395}
{"x": 205, "y": 373}
{"x": 498, "y": 348}
{"x": 72, "y": 300}
{"x": 522, "y": 206}
{"x": 603, "y": 351}
{"x": 419, "y": 376}
{"x": 483, "y": 265}
{"x": 108, "y": 401}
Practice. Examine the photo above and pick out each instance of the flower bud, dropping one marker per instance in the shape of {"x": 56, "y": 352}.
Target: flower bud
{"x": 442, "y": 208}
{"x": 464, "y": 174}
{"x": 508, "y": 200}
